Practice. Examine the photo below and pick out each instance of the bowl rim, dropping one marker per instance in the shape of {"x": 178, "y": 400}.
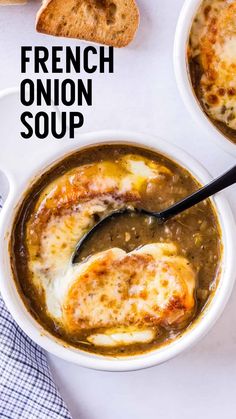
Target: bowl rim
{"x": 157, "y": 356}
{"x": 187, "y": 13}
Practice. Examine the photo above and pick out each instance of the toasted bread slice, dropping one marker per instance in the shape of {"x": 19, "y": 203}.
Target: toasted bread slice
{"x": 109, "y": 22}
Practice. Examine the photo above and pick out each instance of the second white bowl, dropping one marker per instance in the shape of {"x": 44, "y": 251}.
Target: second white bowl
{"x": 184, "y": 24}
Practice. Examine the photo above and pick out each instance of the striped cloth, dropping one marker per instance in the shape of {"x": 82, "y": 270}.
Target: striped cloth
{"x": 27, "y": 389}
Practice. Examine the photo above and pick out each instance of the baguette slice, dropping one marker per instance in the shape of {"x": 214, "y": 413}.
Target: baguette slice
{"x": 109, "y": 22}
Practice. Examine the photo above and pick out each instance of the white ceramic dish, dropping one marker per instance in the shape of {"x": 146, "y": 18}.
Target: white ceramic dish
{"x": 18, "y": 183}
{"x": 186, "y": 17}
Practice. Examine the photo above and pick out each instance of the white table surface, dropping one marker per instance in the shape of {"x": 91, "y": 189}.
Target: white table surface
{"x": 141, "y": 96}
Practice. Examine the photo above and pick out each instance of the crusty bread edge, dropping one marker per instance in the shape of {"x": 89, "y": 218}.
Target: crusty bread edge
{"x": 46, "y": 3}
{"x": 40, "y": 11}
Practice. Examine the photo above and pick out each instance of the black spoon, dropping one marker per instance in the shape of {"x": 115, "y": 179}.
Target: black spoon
{"x": 217, "y": 185}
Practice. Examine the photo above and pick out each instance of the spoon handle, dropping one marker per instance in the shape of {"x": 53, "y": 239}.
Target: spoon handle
{"x": 217, "y": 185}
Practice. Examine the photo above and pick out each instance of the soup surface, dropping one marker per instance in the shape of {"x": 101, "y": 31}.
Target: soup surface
{"x": 137, "y": 284}
{"x": 212, "y": 57}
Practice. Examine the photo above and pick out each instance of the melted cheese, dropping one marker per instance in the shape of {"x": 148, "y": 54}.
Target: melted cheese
{"x": 66, "y": 207}
{"x": 117, "y": 337}
{"x": 146, "y": 287}
{"x": 124, "y": 294}
{"x": 213, "y": 40}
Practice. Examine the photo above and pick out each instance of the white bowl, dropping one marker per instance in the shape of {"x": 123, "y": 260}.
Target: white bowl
{"x": 186, "y": 17}
{"x": 50, "y": 343}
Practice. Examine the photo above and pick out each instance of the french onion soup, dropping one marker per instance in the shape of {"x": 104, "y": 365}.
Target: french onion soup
{"x": 212, "y": 59}
{"x": 137, "y": 284}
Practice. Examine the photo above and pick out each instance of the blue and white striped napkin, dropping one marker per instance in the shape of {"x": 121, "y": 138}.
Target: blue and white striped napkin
{"x": 27, "y": 389}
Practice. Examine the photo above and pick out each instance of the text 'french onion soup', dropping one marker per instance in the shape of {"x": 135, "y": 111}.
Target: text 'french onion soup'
{"x": 137, "y": 284}
{"x": 212, "y": 60}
